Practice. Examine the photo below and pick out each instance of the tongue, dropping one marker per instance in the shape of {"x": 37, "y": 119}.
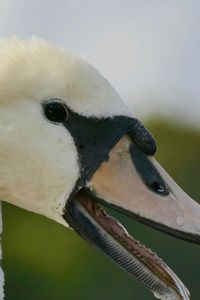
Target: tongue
{"x": 91, "y": 222}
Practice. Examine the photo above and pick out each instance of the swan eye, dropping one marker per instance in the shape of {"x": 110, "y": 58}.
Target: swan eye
{"x": 55, "y": 111}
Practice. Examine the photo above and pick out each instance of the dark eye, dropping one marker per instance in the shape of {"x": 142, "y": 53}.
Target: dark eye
{"x": 55, "y": 111}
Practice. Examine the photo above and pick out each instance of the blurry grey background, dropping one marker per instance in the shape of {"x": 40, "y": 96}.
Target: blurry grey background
{"x": 148, "y": 49}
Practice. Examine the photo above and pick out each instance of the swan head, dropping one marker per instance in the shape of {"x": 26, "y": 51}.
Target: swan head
{"x": 40, "y": 155}
{"x": 68, "y": 142}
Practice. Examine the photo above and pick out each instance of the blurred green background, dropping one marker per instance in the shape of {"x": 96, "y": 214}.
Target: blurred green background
{"x": 43, "y": 260}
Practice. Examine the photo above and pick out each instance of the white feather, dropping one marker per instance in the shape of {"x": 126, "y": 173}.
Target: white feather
{"x": 36, "y": 69}
{"x": 38, "y": 160}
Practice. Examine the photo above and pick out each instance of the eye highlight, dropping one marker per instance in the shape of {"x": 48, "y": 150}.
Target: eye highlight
{"x": 55, "y": 111}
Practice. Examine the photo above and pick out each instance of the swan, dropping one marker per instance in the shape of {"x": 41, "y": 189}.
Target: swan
{"x": 68, "y": 144}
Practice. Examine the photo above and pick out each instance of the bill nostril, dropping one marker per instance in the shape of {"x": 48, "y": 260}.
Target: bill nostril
{"x": 159, "y": 188}
{"x": 147, "y": 171}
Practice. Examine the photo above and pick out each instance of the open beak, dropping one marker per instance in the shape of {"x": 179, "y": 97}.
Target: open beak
{"x": 135, "y": 184}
